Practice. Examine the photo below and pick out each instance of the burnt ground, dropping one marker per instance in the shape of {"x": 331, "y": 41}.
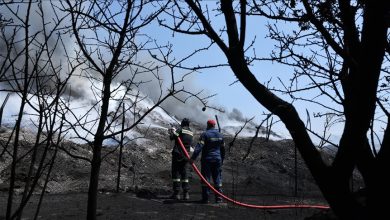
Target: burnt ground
{"x": 265, "y": 177}
{"x": 129, "y": 206}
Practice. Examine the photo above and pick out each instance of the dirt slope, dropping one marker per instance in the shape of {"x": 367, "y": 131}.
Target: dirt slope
{"x": 266, "y": 176}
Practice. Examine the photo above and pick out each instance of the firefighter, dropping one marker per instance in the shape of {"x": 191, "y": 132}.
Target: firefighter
{"x": 212, "y": 146}
{"x": 180, "y": 167}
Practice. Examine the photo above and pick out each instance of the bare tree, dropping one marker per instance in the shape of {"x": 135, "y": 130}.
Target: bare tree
{"x": 107, "y": 50}
{"x": 334, "y": 47}
{"x": 110, "y": 41}
{"x": 107, "y": 57}
{"x": 29, "y": 69}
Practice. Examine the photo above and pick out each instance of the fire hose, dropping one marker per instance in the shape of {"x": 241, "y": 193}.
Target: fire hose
{"x": 290, "y": 206}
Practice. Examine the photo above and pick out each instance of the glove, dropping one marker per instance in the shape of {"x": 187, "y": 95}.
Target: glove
{"x": 171, "y": 131}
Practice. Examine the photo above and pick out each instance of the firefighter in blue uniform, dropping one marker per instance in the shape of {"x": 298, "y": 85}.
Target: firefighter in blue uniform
{"x": 212, "y": 146}
{"x": 180, "y": 167}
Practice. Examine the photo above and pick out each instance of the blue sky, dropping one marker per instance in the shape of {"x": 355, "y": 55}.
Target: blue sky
{"x": 218, "y": 80}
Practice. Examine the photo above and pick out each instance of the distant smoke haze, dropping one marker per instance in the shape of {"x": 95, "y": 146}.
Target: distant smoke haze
{"x": 79, "y": 87}
{"x": 37, "y": 39}
{"x": 192, "y": 108}
{"x": 236, "y": 115}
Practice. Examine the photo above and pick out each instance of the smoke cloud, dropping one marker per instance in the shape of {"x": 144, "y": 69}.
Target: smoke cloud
{"x": 236, "y": 114}
{"x": 45, "y": 44}
{"x": 79, "y": 87}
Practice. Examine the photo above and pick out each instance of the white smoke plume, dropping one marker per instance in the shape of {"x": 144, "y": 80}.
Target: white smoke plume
{"x": 45, "y": 36}
{"x": 82, "y": 90}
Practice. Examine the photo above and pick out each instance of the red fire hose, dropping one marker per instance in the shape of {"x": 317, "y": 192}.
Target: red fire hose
{"x": 245, "y": 204}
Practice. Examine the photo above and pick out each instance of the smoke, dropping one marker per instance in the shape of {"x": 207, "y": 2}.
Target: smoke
{"x": 80, "y": 87}
{"x": 46, "y": 43}
{"x": 192, "y": 108}
{"x": 236, "y": 114}
{"x": 84, "y": 89}
{"x": 182, "y": 104}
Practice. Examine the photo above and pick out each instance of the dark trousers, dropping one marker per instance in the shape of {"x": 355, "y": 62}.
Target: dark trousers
{"x": 180, "y": 174}
{"x": 211, "y": 169}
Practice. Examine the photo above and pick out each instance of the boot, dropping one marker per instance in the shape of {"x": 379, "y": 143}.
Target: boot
{"x": 175, "y": 196}
{"x": 218, "y": 199}
{"x": 186, "y": 196}
{"x": 205, "y": 195}
{"x": 204, "y": 201}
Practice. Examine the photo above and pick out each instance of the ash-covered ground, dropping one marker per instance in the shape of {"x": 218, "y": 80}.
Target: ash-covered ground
{"x": 266, "y": 177}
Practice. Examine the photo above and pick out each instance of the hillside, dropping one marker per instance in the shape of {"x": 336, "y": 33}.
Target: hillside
{"x": 267, "y": 175}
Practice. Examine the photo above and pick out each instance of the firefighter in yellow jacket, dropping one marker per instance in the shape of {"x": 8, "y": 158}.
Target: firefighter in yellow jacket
{"x": 180, "y": 164}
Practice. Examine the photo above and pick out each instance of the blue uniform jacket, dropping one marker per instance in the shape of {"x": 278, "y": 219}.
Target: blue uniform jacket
{"x": 211, "y": 145}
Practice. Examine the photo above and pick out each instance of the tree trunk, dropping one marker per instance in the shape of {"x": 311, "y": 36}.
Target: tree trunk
{"x": 334, "y": 188}
{"x": 118, "y": 180}
{"x": 2, "y": 107}
{"x": 94, "y": 181}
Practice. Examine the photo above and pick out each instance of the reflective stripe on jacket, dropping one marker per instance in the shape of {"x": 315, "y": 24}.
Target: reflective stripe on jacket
{"x": 186, "y": 136}
{"x": 211, "y": 144}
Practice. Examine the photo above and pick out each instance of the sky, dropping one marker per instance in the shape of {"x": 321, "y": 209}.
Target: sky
{"x": 218, "y": 80}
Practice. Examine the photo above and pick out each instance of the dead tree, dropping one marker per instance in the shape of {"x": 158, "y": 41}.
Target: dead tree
{"x": 22, "y": 82}
{"x": 2, "y": 107}
{"x": 109, "y": 38}
{"x": 335, "y": 47}
{"x": 30, "y": 70}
